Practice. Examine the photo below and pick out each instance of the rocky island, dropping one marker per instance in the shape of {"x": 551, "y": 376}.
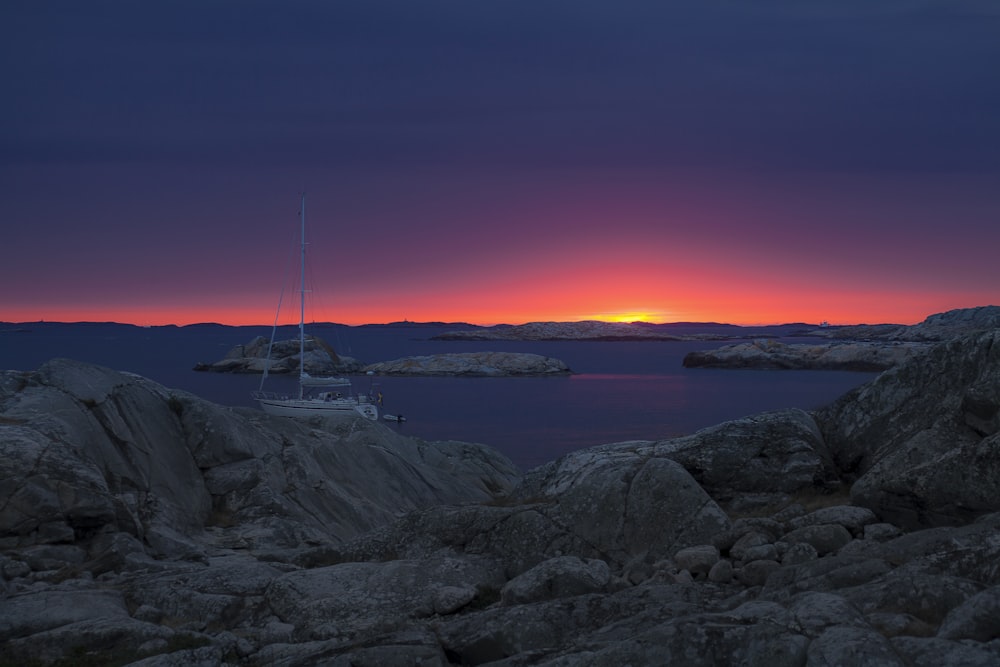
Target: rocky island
{"x": 473, "y": 364}
{"x": 594, "y": 330}
{"x": 142, "y": 525}
{"x": 320, "y": 359}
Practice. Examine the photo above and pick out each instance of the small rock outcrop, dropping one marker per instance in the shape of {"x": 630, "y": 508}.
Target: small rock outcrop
{"x": 922, "y": 440}
{"x": 759, "y": 460}
{"x": 318, "y": 359}
{"x": 478, "y": 364}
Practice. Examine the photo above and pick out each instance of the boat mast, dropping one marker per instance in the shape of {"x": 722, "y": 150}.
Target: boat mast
{"x": 302, "y": 296}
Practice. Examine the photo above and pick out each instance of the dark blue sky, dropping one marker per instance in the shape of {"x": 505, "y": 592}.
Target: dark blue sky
{"x": 153, "y": 150}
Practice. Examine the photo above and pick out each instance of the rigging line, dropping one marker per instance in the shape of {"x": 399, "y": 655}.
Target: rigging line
{"x": 277, "y": 314}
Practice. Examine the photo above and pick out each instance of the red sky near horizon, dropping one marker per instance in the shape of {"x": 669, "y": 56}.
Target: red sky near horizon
{"x": 646, "y": 251}
{"x": 500, "y": 163}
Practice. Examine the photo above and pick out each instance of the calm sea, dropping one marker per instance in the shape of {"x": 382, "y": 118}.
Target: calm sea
{"x": 621, "y": 390}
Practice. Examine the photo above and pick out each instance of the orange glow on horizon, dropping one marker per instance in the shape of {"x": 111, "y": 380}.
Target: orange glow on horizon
{"x": 612, "y": 291}
{"x": 761, "y": 313}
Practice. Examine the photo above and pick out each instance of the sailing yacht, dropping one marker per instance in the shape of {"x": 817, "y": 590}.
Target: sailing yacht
{"x": 316, "y": 395}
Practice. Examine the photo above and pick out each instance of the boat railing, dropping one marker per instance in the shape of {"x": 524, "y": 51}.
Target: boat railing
{"x": 278, "y": 396}
{"x": 269, "y": 395}
{"x": 310, "y": 381}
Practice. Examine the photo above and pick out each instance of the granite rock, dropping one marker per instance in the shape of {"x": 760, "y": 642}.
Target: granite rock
{"x": 776, "y": 355}
{"x": 317, "y": 358}
{"x": 140, "y": 525}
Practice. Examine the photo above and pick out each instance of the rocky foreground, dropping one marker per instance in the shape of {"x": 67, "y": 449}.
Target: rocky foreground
{"x": 141, "y": 525}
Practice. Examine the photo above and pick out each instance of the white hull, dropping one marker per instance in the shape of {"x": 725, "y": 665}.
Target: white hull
{"x": 309, "y": 407}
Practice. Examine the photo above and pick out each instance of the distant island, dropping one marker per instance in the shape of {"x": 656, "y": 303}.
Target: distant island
{"x": 936, "y": 327}
{"x": 319, "y": 358}
{"x": 861, "y": 347}
{"x": 597, "y": 330}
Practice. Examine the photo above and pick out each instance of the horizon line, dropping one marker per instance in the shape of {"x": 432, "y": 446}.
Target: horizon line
{"x": 459, "y": 322}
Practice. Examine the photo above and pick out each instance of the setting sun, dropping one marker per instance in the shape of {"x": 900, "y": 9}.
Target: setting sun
{"x": 631, "y": 316}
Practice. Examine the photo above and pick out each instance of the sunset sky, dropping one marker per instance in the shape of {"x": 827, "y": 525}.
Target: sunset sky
{"x": 500, "y": 161}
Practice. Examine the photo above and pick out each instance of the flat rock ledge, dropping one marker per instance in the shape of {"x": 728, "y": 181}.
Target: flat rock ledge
{"x": 473, "y": 364}
{"x": 775, "y": 355}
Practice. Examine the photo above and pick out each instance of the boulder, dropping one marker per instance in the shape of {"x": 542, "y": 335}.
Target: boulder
{"x": 825, "y": 538}
{"x": 775, "y": 453}
{"x": 851, "y": 517}
{"x": 557, "y": 577}
{"x": 612, "y": 508}
{"x": 748, "y": 542}
{"x": 351, "y": 599}
{"x": 977, "y": 618}
{"x": 922, "y": 438}
{"x": 721, "y": 572}
{"x": 698, "y": 559}
{"x": 625, "y": 503}
{"x": 769, "y": 455}
{"x": 756, "y": 572}
{"x": 933, "y": 652}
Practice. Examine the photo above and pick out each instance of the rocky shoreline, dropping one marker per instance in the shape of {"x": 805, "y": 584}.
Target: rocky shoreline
{"x": 935, "y": 328}
{"x": 775, "y": 355}
{"x": 142, "y": 525}
{"x": 854, "y": 348}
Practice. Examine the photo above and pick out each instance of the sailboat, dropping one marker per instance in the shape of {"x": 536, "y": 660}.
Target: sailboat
{"x": 317, "y": 395}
